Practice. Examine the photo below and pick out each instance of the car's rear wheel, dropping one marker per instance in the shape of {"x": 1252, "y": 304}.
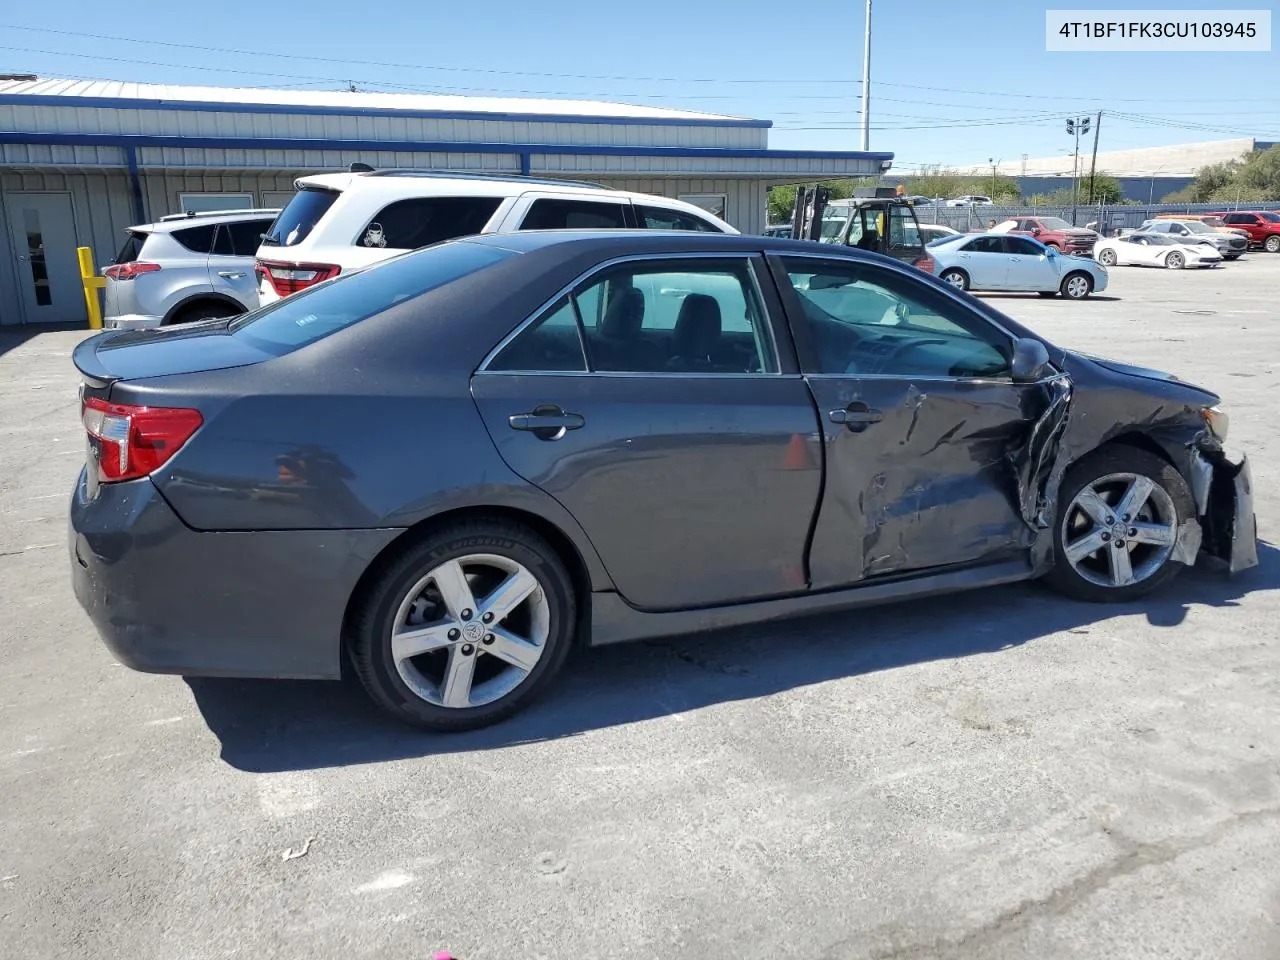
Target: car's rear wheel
{"x": 1107, "y": 258}
{"x": 1272, "y": 244}
{"x": 957, "y": 278}
{"x": 1117, "y": 525}
{"x": 205, "y": 310}
{"x": 465, "y": 627}
{"x": 1175, "y": 260}
{"x": 1076, "y": 286}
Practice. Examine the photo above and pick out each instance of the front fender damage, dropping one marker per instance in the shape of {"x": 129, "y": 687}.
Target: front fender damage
{"x": 1224, "y": 526}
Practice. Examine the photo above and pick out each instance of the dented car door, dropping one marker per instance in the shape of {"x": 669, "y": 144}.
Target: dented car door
{"x": 923, "y": 425}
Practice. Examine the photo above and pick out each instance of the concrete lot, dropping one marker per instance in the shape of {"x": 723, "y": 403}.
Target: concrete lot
{"x": 996, "y": 775}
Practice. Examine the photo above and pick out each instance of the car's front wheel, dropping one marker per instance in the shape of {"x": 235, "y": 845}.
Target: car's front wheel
{"x": 1175, "y": 260}
{"x": 1076, "y": 286}
{"x": 464, "y": 627}
{"x": 1115, "y": 536}
{"x": 1272, "y": 244}
{"x": 1107, "y": 258}
{"x": 957, "y": 278}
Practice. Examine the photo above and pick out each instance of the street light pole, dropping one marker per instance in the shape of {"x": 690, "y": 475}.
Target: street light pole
{"x": 866, "y": 84}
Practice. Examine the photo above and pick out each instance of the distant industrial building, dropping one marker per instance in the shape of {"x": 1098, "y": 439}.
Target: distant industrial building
{"x": 82, "y": 160}
{"x": 1146, "y": 174}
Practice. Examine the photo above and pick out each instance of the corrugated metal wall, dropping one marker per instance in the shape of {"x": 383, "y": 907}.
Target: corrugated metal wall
{"x": 744, "y": 199}
{"x": 191, "y": 123}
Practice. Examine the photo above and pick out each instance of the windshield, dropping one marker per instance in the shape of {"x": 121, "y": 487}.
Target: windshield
{"x": 299, "y": 218}
{"x": 834, "y": 220}
{"x": 1055, "y": 223}
{"x": 1195, "y": 226}
{"x": 1157, "y": 239}
{"x": 305, "y": 317}
{"x": 1270, "y": 217}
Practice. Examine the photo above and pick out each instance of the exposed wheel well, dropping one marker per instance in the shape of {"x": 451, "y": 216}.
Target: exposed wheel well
{"x": 201, "y": 299}
{"x": 563, "y": 546}
{"x": 1139, "y": 441}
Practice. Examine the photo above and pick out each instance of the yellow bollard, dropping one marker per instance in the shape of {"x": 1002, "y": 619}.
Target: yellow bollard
{"x": 92, "y": 284}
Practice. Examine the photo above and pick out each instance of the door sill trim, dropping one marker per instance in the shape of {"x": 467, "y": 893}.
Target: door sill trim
{"x": 615, "y": 621}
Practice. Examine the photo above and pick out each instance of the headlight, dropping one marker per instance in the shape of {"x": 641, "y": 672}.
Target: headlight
{"x": 1217, "y": 421}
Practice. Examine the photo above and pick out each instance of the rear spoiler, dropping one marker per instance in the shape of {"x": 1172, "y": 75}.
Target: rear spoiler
{"x": 92, "y": 369}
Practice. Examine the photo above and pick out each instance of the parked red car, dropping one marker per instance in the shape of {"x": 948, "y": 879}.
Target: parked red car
{"x": 1053, "y": 232}
{"x": 1263, "y": 227}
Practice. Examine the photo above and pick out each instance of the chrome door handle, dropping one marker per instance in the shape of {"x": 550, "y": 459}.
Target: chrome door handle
{"x": 547, "y": 421}
{"x": 232, "y": 274}
{"x": 857, "y": 416}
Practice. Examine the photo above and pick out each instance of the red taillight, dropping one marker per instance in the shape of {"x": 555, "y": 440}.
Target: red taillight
{"x": 133, "y": 441}
{"x": 926, "y": 263}
{"x": 287, "y": 278}
{"x": 127, "y": 271}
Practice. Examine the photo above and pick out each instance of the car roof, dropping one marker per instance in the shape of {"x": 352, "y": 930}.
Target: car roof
{"x": 182, "y": 221}
{"x": 621, "y": 243}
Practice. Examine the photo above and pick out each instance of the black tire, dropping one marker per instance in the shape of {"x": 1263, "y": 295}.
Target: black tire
{"x": 953, "y": 274}
{"x": 1066, "y": 286}
{"x": 204, "y": 310}
{"x": 1231, "y": 256}
{"x": 1107, "y": 258}
{"x": 1054, "y": 247}
{"x": 1272, "y": 243}
{"x": 1047, "y": 293}
{"x": 1113, "y": 459}
{"x": 369, "y": 639}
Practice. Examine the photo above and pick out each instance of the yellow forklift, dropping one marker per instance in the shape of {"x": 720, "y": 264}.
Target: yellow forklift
{"x": 879, "y": 219}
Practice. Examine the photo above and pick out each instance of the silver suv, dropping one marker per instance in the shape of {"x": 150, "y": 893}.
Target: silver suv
{"x": 186, "y": 267}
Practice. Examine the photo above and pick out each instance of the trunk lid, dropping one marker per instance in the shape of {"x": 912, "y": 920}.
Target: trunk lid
{"x": 110, "y": 357}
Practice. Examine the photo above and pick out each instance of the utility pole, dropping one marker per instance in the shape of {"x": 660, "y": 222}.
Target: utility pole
{"x": 866, "y": 84}
{"x": 1093, "y": 166}
{"x": 1075, "y": 127}
{"x": 994, "y": 164}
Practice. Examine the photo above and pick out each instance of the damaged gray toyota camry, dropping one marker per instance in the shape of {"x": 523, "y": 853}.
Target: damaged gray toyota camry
{"x": 451, "y": 468}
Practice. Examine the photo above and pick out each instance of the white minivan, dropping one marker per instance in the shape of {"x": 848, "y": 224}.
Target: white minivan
{"x": 343, "y": 221}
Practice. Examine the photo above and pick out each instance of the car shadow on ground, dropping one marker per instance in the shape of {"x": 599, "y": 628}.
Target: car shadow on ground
{"x": 993, "y": 295}
{"x": 266, "y": 725}
{"x": 14, "y": 337}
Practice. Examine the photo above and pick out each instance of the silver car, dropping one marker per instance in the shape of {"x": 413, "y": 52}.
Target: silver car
{"x": 184, "y": 268}
{"x": 1193, "y": 232}
{"x": 1008, "y": 262}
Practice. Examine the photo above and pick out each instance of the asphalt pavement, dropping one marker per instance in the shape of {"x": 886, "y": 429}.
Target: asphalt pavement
{"x": 1002, "y": 774}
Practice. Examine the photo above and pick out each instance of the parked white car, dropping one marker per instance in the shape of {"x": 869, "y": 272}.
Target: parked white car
{"x": 970, "y": 201}
{"x": 339, "y": 222}
{"x": 1008, "y": 262}
{"x": 1154, "y": 250}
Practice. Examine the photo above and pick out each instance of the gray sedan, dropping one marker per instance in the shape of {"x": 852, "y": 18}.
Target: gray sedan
{"x": 1007, "y": 262}
{"x": 453, "y": 467}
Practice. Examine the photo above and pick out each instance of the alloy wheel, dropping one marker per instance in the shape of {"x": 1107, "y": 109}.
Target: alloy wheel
{"x": 470, "y": 631}
{"x": 1107, "y": 258}
{"x": 1174, "y": 261}
{"x": 1119, "y": 530}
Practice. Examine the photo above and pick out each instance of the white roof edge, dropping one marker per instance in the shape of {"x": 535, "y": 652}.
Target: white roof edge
{"x": 358, "y": 101}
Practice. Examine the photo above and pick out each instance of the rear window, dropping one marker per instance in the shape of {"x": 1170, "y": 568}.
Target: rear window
{"x": 305, "y": 317}
{"x": 196, "y": 239}
{"x": 132, "y": 248}
{"x": 299, "y": 218}
{"x": 422, "y": 221}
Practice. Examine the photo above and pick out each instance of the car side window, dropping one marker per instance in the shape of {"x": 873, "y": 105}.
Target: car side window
{"x": 1022, "y": 247}
{"x": 700, "y": 316}
{"x": 869, "y": 321}
{"x": 246, "y": 236}
{"x": 560, "y": 214}
{"x": 985, "y": 245}
{"x": 422, "y": 221}
{"x": 196, "y": 239}
{"x": 551, "y": 344}
{"x": 662, "y": 218}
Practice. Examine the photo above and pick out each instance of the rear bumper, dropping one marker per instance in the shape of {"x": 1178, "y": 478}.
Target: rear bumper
{"x": 169, "y": 599}
{"x": 131, "y": 321}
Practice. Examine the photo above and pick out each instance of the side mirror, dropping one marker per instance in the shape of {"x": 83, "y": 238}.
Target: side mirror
{"x": 1035, "y": 231}
{"x": 1030, "y": 360}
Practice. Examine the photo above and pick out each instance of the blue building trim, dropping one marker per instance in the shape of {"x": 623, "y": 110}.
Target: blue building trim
{"x": 135, "y": 181}
{"x": 526, "y": 165}
{"x": 136, "y": 141}
{"x": 201, "y": 106}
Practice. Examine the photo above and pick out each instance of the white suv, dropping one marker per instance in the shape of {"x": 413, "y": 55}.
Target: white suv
{"x": 343, "y": 221}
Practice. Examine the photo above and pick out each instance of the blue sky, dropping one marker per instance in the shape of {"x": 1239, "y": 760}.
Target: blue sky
{"x": 952, "y": 83}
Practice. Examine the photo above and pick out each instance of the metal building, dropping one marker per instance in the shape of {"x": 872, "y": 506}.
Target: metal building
{"x": 82, "y": 160}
